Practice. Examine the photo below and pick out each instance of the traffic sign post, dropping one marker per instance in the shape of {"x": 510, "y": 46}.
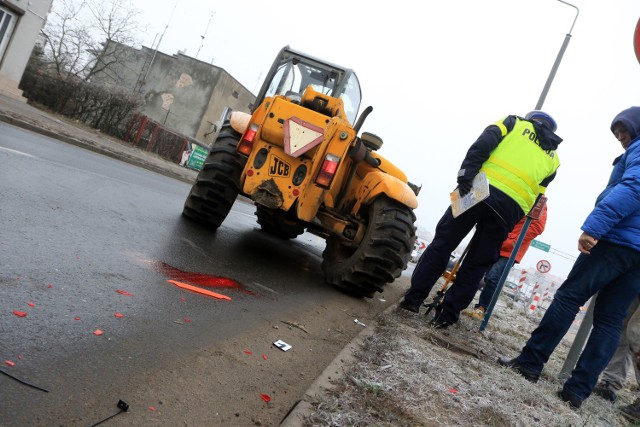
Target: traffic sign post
{"x": 543, "y": 266}
{"x": 540, "y": 245}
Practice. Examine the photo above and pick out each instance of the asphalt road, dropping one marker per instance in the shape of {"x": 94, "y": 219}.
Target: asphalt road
{"x": 88, "y": 244}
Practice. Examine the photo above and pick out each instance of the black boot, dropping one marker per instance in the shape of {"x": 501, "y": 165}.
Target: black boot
{"x": 438, "y": 321}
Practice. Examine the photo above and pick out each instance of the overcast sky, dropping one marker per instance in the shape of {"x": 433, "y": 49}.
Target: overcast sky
{"x": 437, "y": 73}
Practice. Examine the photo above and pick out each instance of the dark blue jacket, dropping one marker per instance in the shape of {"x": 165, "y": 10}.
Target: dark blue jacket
{"x": 616, "y": 216}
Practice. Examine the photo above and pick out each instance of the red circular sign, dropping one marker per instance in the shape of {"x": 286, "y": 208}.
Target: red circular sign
{"x": 636, "y": 41}
{"x": 543, "y": 266}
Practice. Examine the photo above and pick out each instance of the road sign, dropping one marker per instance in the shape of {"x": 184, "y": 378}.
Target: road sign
{"x": 636, "y": 40}
{"x": 540, "y": 245}
{"x": 543, "y": 266}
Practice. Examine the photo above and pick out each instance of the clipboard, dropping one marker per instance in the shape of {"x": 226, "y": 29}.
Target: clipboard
{"x": 479, "y": 192}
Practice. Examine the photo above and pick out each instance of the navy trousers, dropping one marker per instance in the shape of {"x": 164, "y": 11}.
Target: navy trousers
{"x": 484, "y": 250}
{"x": 613, "y": 272}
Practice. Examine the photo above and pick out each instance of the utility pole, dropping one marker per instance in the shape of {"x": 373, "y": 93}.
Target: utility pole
{"x": 556, "y": 64}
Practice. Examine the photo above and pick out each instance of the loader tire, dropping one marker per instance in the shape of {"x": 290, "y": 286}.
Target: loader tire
{"x": 382, "y": 255}
{"x": 218, "y": 182}
{"x": 274, "y": 223}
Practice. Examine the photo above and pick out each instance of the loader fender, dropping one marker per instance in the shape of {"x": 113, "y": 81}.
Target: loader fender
{"x": 377, "y": 183}
{"x": 239, "y": 121}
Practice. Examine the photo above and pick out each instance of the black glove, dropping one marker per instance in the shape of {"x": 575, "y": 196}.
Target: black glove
{"x": 464, "y": 186}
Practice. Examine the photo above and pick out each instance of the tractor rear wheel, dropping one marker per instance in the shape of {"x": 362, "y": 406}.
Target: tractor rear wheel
{"x": 382, "y": 255}
{"x": 275, "y": 223}
{"x": 218, "y": 183}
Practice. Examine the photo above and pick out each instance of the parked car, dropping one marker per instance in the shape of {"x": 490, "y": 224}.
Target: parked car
{"x": 510, "y": 289}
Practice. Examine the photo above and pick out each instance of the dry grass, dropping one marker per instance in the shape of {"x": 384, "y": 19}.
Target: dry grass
{"x": 409, "y": 374}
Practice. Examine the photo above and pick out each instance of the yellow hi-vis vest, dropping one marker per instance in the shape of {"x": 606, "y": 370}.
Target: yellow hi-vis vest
{"x": 519, "y": 164}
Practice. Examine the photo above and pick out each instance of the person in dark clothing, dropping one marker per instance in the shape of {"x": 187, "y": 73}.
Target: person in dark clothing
{"x": 493, "y": 275}
{"x": 518, "y": 155}
{"x": 608, "y": 265}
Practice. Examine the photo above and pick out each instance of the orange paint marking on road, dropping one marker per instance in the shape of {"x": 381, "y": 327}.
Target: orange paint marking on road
{"x": 199, "y": 290}
{"x": 121, "y": 292}
{"x": 19, "y": 313}
{"x": 198, "y": 278}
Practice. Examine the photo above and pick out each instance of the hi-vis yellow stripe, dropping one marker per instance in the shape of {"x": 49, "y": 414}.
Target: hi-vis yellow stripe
{"x": 517, "y": 172}
{"x": 503, "y": 128}
{"x": 499, "y": 177}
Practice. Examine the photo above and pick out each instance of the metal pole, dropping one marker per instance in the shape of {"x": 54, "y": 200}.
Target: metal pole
{"x": 554, "y": 69}
{"x": 505, "y": 273}
{"x": 578, "y": 342}
{"x": 535, "y": 213}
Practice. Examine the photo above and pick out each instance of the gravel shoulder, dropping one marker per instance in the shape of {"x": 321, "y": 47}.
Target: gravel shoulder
{"x": 401, "y": 371}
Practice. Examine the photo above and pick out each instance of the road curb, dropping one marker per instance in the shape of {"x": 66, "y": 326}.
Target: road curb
{"x": 336, "y": 369}
{"x": 95, "y": 147}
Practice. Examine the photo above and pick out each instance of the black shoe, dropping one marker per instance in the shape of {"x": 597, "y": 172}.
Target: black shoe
{"x": 516, "y": 366}
{"x": 574, "y": 402}
{"x": 439, "y": 322}
{"x": 604, "y": 391}
{"x": 410, "y": 307}
{"x": 632, "y": 412}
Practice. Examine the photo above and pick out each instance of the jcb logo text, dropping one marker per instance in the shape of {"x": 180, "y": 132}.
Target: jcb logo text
{"x": 279, "y": 167}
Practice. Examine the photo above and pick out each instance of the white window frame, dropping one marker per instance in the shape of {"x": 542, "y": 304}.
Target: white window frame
{"x": 8, "y": 21}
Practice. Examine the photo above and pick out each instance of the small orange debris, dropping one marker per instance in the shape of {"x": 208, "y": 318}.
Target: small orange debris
{"x": 30, "y": 304}
{"x": 19, "y": 313}
{"x": 121, "y": 292}
{"x": 152, "y": 409}
{"x": 98, "y": 332}
{"x": 10, "y": 363}
{"x": 264, "y": 356}
{"x": 453, "y": 390}
{"x": 187, "y": 320}
{"x": 182, "y": 299}
{"x": 199, "y": 290}
{"x": 49, "y": 285}
{"x": 265, "y": 397}
{"x": 118, "y": 315}
{"x": 76, "y": 318}
{"x": 247, "y": 352}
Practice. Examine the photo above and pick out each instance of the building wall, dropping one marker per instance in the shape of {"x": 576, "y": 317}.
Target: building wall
{"x": 187, "y": 95}
{"x": 27, "y": 19}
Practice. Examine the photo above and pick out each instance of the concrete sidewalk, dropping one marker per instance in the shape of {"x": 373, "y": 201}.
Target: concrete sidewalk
{"x": 25, "y": 116}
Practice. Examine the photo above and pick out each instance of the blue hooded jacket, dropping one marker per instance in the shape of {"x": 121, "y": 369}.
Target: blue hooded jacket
{"x": 616, "y": 216}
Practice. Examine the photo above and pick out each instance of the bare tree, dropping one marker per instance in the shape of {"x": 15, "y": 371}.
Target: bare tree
{"x": 78, "y": 33}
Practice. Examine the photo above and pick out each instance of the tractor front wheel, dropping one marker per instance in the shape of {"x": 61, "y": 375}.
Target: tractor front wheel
{"x": 382, "y": 255}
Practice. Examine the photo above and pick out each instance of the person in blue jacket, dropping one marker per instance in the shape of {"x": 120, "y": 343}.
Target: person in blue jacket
{"x": 608, "y": 265}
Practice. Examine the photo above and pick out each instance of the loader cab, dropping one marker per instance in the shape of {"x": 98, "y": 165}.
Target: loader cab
{"x": 292, "y": 72}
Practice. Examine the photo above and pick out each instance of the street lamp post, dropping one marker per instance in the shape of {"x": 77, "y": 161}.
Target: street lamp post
{"x": 556, "y": 64}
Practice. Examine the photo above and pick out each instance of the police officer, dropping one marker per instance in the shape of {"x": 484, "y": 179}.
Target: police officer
{"x": 519, "y": 158}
